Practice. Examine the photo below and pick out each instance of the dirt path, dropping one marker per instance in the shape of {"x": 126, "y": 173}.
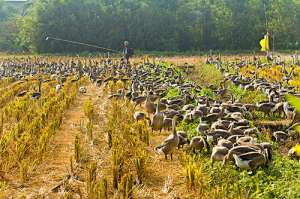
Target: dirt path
{"x": 163, "y": 178}
{"x": 56, "y": 166}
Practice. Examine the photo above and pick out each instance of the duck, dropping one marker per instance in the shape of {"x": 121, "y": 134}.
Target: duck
{"x": 289, "y": 111}
{"x": 265, "y": 107}
{"x": 150, "y": 106}
{"x": 245, "y": 140}
{"x": 238, "y": 150}
{"x": 225, "y": 143}
{"x": 167, "y": 123}
{"x": 202, "y": 127}
{"x": 197, "y": 143}
{"x": 157, "y": 120}
{"x": 170, "y": 144}
{"x": 183, "y": 139}
{"x": 138, "y": 100}
{"x": 139, "y": 116}
{"x": 250, "y": 161}
{"x": 218, "y": 153}
{"x": 280, "y": 136}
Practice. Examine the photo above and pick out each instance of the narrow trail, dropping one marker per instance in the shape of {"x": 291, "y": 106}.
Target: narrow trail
{"x": 163, "y": 178}
{"x": 56, "y": 164}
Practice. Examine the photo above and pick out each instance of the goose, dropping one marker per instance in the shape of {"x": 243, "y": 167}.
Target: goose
{"x": 171, "y": 143}
{"x": 251, "y": 131}
{"x": 202, "y": 127}
{"x": 150, "y": 106}
{"x": 183, "y": 139}
{"x": 234, "y": 138}
{"x": 178, "y": 102}
{"x": 289, "y": 111}
{"x": 250, "y": 161}
{"x": 139, "y": 116}
{"x": 188, "y": 117}
{"x": 170, "y": 113}
{"x": 238, "y": 150}
{"x": 197, "y": 143}
{"x": 218, "y": 153}
{"x": 250, "y": 107}
{"x": 217, "y": 133}
{"x": 225, "y": 143}
{"x": 196, "y": 114}
{"x": 235, "y": 131}
{"x": 220, "y": 124}
{"x": 38, "y": 94}
{"x": 280, "y": 136}
{"x": 265, "y": 107}
{"x": 138, "y": 100}
{"x": 167, "y": 123}
{"x": 245, "y": 140}
{"x": 188, "y": 107}
{"x": 157, "y": 120}
{"x": 203, "y": 108}
{"x": 162, "y": 106}
{"x": 210, "y": 118}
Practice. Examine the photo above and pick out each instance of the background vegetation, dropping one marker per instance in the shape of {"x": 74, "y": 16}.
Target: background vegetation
{"x": 151, "y": 25}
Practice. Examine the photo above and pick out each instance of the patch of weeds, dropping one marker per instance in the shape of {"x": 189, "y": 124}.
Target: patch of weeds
{"x": 207, "y": 92}
{"x": 189, "y": 128}
{"x": 261, "y": 116}
{"x": 279, "y": 180}
{"x": 206, "y": 75}
{"x": 173, "y": 92}
{"x": 246, "y": 96}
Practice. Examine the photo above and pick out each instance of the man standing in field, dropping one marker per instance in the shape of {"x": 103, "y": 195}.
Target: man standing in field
{"x": 127, "y": 52}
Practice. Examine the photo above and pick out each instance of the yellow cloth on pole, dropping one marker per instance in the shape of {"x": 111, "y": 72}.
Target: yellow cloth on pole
{"x": 265, "y": 43}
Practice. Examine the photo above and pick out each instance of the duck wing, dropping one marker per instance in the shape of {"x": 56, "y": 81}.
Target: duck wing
{"x": 169, "y": 139}
{"x": 251, "y": 156}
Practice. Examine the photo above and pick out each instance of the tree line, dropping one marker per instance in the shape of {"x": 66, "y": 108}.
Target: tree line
{"x": 151, "y": 25}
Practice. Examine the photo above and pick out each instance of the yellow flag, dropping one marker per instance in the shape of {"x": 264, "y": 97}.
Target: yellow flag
{"x": 265, "y": 43}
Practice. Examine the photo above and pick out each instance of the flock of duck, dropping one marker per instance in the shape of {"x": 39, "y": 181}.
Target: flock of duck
{"x": 43, "y": 71}
{"x": 224, "y": 126}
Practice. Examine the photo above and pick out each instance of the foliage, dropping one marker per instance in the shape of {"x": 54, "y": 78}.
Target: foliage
{"x": 89, "y": 110}
{"x": 207, "y": 92}
{"x": 207, "y": 75}
{"x": 8, "y": 27}
{"x": 77, "y": 150}
{"x": 294, "y": 101}
{"x": 246, "y": 96}
{"x": 173, "y": 92}
{"x": 152, "y": 25}
{"x": 190, "y": 128}
{"x": 91, "y": 179}
{"x": 278, "y": 180}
